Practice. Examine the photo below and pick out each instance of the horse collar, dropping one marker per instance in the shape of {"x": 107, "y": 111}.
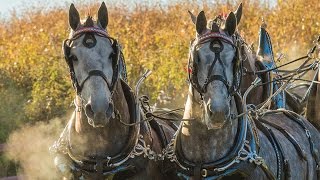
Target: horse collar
{"x": 242, "y": 158}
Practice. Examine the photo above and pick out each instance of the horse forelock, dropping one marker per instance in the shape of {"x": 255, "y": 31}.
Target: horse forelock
{"x": 89, "y": 22}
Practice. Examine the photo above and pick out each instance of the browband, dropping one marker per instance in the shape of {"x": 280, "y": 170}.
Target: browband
{"x": 203, "y": 38}
{"x": 98, "y": 31}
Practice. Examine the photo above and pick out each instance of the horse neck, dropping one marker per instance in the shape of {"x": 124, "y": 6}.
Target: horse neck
{"x": 200, "y": 144}
{"x": 313, "y": 102}
{"x": 249, "y": 63}
{"x": 110, "y": 139}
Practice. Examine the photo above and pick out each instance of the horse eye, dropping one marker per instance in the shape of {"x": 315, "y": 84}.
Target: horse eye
{"x": 73, "y": 58}
{"x": 111, "y": 55}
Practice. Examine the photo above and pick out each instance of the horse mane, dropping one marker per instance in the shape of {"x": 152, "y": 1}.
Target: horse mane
{"x": 89, "y": 22}
{"x": 247, "y": 54}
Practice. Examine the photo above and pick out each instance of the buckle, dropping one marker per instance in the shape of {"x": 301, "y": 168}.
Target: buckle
{"x": 204, "y": 173}
{"x": 308, "y": 133}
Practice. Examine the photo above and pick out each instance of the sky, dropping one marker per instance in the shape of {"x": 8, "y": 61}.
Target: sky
{"x": 6, "y": 6}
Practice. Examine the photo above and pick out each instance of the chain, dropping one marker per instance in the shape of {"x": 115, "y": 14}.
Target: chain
{"x": 169, "y": 152}
{"x": 245, "y": 154}
{"x": 61, "y": 145}
{"x": 142, "y": 148}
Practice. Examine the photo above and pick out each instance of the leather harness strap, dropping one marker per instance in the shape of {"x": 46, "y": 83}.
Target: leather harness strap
{"x": 293, "y": 141}
{"x": 218, "y": 37}
{"x": 315, "y": 153}
{"x": 268, "y": 133}
{"x": 95, "y": 73}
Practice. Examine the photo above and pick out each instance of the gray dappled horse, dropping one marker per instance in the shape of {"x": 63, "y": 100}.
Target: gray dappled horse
{"x": 104, "y": 137}
{"x": 216, "y": 145}
{"x": 313, "y": 102}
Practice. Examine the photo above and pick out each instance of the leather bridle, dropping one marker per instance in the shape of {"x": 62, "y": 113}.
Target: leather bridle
{"x": 78, "y": 86}
{"x": 216, "y": 46}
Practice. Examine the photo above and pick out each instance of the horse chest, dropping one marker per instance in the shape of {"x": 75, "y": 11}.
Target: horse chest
{"x": 204, "y": 145}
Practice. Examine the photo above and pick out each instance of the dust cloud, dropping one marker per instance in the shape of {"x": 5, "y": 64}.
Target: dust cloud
{"x": 296, "y": 52}
{"x": 29, "y": 146}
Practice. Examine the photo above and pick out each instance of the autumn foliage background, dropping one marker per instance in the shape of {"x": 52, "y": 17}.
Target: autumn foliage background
{"x": 34, "y": 80}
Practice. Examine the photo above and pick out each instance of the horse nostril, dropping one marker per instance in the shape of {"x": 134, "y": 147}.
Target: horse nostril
{"x": 89, "y": 112}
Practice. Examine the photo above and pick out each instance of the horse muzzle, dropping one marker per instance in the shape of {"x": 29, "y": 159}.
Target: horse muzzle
{"x": 215, "y": 119}
{"x": 99, "y": 118}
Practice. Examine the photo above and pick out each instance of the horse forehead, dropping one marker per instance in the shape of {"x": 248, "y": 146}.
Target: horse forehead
{"x": 102, "y": 43}
{"x": 95, "y": 25}
{"x": 206, "y": 52}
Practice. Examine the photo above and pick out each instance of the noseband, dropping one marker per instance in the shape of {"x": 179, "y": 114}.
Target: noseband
{"x": 216, "y": 46}
{"x": 70, "y": 58}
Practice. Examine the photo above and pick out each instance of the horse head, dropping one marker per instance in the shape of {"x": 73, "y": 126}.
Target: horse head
{"x": 215, "y": 66}
{"x": 92, "y": 56}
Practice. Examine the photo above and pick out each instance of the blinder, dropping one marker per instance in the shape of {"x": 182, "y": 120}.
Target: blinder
{"x": 89, "y": 41}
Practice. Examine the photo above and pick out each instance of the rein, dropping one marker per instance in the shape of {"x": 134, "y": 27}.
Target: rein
{"x": 308, "y": 56}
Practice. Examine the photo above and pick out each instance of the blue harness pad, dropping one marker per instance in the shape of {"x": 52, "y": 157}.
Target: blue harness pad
{"x": 265, "y": 51}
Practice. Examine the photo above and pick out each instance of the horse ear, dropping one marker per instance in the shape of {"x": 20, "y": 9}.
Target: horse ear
{"x": 238, "y": 13}
{"x": 231, "y": 24}
{"x": 74, "y": 17}
{"x": 103, "y": 16}
{"x": 201, "y": 23}
{"x": 193, "y": 17}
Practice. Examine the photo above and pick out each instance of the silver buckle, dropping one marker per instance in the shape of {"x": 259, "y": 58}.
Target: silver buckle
{"x": 204, "y": 173}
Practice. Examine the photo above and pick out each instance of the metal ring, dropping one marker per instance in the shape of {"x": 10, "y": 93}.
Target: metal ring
{"x": 204, "y": 173}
